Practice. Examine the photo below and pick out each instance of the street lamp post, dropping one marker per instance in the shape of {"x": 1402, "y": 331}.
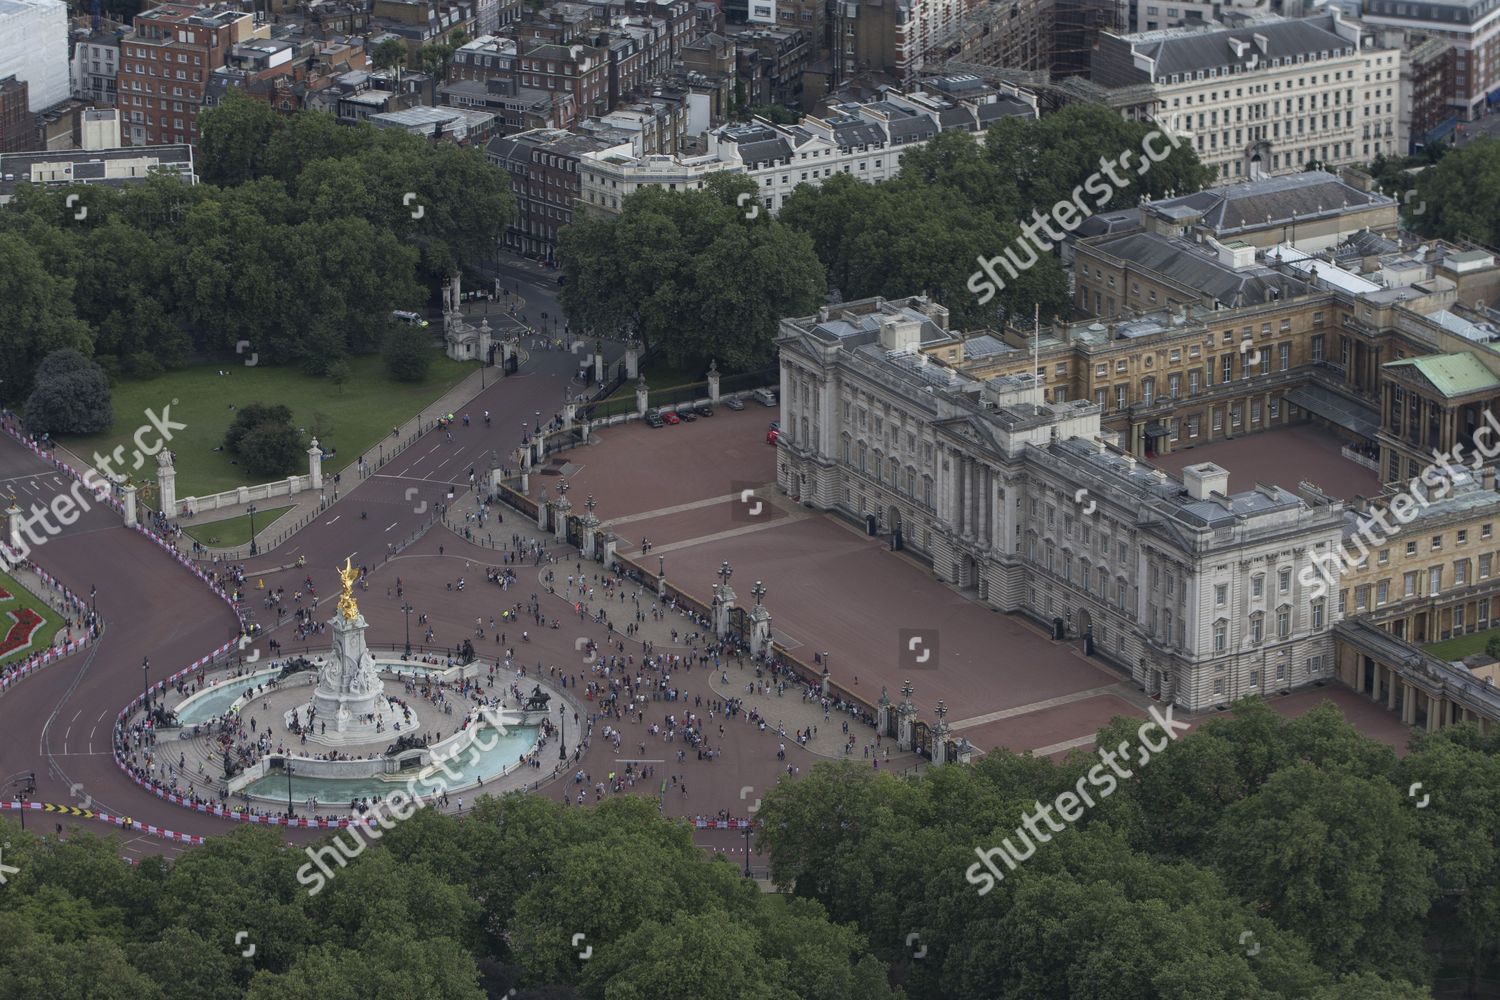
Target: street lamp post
{"x": 146, "y": 681}
{"x": 289, "y": 813}
{"x": 661, "y": 565}
{"x": 407, "y": 609}
{"x": 562, "y": 731}
{"x": 251, "y": 511}
{"x": 747, "y": 847}
{"x": 93, "y": 604}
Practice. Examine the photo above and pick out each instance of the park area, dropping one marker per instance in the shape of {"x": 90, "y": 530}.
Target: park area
{"x": 232, "y": 531}
{"x": 26, "y": 623}
{"x": 350, "y": 419}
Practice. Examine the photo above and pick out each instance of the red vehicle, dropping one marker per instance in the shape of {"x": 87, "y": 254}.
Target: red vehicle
{"x": 771, "y": 436}
{"x": 670, "y": 418}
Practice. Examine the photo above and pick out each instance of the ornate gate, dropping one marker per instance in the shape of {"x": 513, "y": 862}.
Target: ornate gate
{"x": 739, "y": 623}
{"x": 921, "y": 738}
{"x": 575, "y": 531}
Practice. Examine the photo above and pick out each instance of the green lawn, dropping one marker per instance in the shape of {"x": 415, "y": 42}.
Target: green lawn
{"x": 231, "y": 531}
{"x": 23, "y": 598}
{"x": 1457, "y": 649}
{"x": 353, "y": 420}
{"x": 660, "y": 375}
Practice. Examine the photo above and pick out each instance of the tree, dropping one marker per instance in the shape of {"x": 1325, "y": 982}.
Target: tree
{"x": 339, "y": 374}
{"x": 407, "y": 352}
{"x": 71, "y": 396}
{"x": 36, "y": 315}
{"x": 695, "y": 274}
{"x": 272, "y": 450}
{"x": 1457, "y": 196}
{"x": 263, "y": 438}
{"x": 251, "y": 416}
{"x": 232, "y": 138}
{"x": 1336, "y": 859}
{"x": 391, "y": 54}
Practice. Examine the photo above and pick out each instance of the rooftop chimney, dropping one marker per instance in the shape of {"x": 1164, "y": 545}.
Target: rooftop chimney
{"x": 1203, "y": 481}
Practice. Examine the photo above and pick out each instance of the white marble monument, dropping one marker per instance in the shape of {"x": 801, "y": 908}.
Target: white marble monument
{"x": 348, "y": 705}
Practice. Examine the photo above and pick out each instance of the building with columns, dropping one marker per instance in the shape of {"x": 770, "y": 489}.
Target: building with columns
{"x": 1017, "y": 502}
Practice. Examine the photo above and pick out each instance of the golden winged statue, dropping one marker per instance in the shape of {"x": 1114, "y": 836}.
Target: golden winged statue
{"x": 348, "y": 575}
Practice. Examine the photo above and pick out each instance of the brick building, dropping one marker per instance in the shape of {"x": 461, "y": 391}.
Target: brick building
{"x": 165, "y": 65}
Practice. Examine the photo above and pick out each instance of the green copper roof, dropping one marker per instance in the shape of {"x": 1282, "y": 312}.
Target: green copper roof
{"x": 1452, "y": 374}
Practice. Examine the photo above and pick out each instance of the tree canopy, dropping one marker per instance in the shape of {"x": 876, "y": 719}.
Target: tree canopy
{"x": 689, "y": 272}
{"x": 298, "y": 245}
{"x": 436, "y": 908}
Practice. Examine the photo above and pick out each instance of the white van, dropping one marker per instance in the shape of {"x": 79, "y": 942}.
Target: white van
{"x": 406, "y": 316}
{"x": 765, "y": 397}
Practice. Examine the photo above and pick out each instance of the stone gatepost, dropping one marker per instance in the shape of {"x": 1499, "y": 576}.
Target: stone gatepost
{"x": 642, "y": 394}
{"x": 314, "y": 466}
{"x": 906, "y": 718}
{"x": 632, "y": 361}
{"x": 570, "y": 411}
{"x": 722, "y": 609}
{"x": 542, "y": 503}
{"x": 940, "y": 735}
{"x": 883, "y": 711}
{"x": 611, "y": 543}
{"x": 713, "y": 381}
{"x": 599, "y": 361}
{"x": 127, "y": 499}
{"x": 760, "y": 631}
{"x": 560, "y": 510}
{"x": 166, "y": 478}
{"x": 14, "y": 519}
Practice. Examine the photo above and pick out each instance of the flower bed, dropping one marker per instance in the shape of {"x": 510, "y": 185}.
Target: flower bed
{"x": 26, "y": 624}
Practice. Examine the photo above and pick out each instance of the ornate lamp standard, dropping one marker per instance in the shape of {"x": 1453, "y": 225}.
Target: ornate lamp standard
{"x": 407, "y": 609}
{"x": 251, "y": 511}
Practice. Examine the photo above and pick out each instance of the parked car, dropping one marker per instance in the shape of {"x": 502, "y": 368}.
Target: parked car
{"x": 765, "y": 397}
{"x": 772, "y": 437}
{"x": 704, "y": 409}
{"x": 734, "y": 403}
{"x": 653, "y": 419}
{"x": 687, "y": 416}
{"x": 408, "y": 317}
{"x": 671, "y": 418}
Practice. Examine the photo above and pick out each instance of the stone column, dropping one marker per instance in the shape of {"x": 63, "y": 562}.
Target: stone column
{"x": 590, "y": 536}
{"x": 641, "y": 396}
{"x": 599, "y": 363}
{"x": 314, "y": 466}
{"x": 13, "y": 521}
{"x": 722, "y": 609}
{"x": 611, "y": 543}
{"x": 541, "y": 510}
{"x": 127, "y": 498}
{"x": 166, "y": 478}
{"x": 713, "y": 381}
{"x": 632, "y": 361}
{"x": 760, "y": 630}
{"x": 570, "y": 410}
